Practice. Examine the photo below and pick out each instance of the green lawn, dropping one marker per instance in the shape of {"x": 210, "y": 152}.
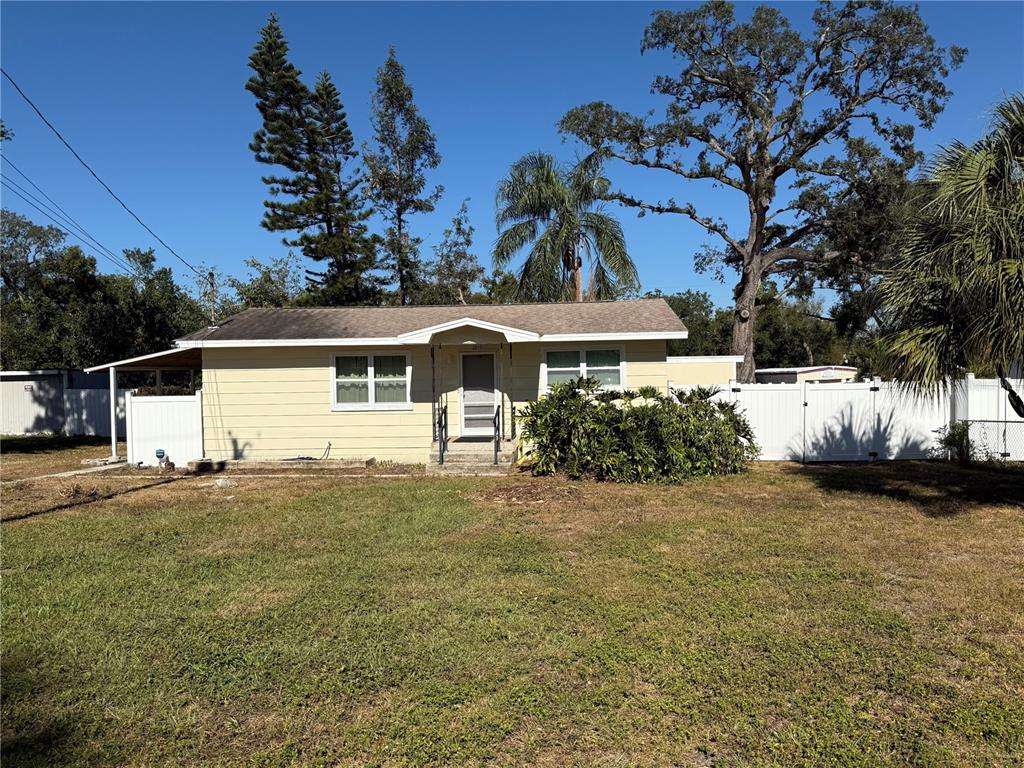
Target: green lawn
{"x": 791, "y": 616}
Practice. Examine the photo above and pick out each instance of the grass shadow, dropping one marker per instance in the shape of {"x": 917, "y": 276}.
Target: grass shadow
{"x": 937, "y": 488}
{"x": 46, "y": 443}
{"x": 32, "y": 734}
{"x": 91, "y": 499}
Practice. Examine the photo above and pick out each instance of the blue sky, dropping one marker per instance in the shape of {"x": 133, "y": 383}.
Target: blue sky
{"x": 152, "y": 95}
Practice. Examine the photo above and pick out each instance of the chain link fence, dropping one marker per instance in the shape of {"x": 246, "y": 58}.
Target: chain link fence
{"x": 996, "y": 440}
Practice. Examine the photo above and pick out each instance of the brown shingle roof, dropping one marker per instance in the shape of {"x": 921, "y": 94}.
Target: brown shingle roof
{"x": 605, "y": 317}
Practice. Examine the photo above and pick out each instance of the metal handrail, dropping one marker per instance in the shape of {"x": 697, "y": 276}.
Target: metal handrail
{"x": 497, "y": 424}
{"x": 442, "y": 433}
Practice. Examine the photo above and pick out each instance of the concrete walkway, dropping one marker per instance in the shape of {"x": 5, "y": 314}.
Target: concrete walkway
{"x": 68, "y": 473}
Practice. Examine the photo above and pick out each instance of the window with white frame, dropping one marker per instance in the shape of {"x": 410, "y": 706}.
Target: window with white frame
{"x": 371, "y": 381}
{"x": 605, "y": 365}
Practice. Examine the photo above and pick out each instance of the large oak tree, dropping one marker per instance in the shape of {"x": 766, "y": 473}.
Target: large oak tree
{"x": 792, "y": 122}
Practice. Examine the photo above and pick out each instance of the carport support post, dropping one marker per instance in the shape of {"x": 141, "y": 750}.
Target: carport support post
{"x": 113, "y": 412}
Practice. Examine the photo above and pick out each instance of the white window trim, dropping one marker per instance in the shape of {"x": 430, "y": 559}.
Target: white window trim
{"x": 371, "y": 405}
{"x": 582, "y": 351}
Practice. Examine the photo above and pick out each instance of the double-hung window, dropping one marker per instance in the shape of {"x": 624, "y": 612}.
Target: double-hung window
{"x": 605, "y": 365}
{"x": 369, "y": 381}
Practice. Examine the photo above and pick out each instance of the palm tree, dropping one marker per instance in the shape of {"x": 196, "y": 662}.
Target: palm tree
{"x": 956, "y": 292}
{"x": 558, "y": 212}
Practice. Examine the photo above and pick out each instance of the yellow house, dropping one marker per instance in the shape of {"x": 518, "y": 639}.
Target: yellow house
{"x": 407, "y": 384}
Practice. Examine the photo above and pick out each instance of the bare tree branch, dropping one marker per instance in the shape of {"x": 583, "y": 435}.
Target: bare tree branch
{"x": 686, "y": 210}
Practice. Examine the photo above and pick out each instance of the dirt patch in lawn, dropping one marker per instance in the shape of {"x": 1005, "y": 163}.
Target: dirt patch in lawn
{"x": 256, "y": 468}
{"x": 532, "y": 491}
{"x": 47, "y": 496}
{"x": 74, "y": 491}
{"x": 563, "y": 508}
{"x": 138, "y": 493}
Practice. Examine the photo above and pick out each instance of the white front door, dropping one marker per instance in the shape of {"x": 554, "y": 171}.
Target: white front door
{"x": 478, "y": 394}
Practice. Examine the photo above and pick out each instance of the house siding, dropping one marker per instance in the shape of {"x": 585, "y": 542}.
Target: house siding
{"x": 700, "y": 372}
{"x": 275, "y": 403}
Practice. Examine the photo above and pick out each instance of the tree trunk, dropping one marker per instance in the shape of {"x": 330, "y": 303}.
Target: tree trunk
{"x": 578, "y": 278}
{"x": 744, "y": 316}
{"x": 400, "y": 265}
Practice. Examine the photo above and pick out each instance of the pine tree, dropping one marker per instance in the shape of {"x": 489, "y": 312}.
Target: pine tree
{"x": 307, "y": 135}
{"x": 344, "y": 242}
{"x": 406, "y": 149}
{"x": 455, "y": 270}
{"x": 281, "y": 99}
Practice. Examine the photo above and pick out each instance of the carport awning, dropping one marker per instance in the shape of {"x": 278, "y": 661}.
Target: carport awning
{"x": 172, "y": 358}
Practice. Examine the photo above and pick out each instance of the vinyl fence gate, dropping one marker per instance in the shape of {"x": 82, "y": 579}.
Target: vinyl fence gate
{"x": 173, "y": 424}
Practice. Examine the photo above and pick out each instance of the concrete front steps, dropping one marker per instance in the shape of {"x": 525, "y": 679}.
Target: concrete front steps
{"x": 473, "y": 457}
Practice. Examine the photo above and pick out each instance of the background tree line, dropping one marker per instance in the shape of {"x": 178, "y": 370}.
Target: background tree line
{"x": 60, "y": 311}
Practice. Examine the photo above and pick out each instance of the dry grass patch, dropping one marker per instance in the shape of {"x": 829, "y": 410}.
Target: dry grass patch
{"x": 251, "y": 602}
{"x": 35, "y": 455}
{"x": 134, "y": 493}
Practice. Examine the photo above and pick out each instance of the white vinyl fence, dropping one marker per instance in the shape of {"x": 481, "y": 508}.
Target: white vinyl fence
{"x": 173, "y": 424}
{"x": 873, "y": 420}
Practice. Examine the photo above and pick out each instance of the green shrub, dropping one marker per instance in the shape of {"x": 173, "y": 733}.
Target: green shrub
{"x": 956, "y": 438}
{"x": 634, "y": 437}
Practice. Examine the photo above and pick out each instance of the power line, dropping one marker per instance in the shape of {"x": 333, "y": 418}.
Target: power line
{"x": 94, "y": 174}
{"x": 54, "y": 203}
{"x": 6, "y": 183}
{"x": 63, "y": 228}
{"x": 65, "y": 218}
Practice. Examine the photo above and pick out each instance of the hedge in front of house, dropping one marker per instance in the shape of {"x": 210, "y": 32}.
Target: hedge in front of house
{"x": 634, "y": 437}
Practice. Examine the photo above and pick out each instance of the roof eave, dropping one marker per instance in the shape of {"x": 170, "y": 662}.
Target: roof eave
{"x": 625, "y": 336}
{"x": 419, "y": 337}
{"x": 133, "y": 362}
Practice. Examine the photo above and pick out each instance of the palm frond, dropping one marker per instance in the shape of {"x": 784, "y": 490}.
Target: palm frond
{"x": 956, "y": 292}
{"x": 512, "y": 240}
{"x": 559, "y": 210}
{"x": 609, "y": 249}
